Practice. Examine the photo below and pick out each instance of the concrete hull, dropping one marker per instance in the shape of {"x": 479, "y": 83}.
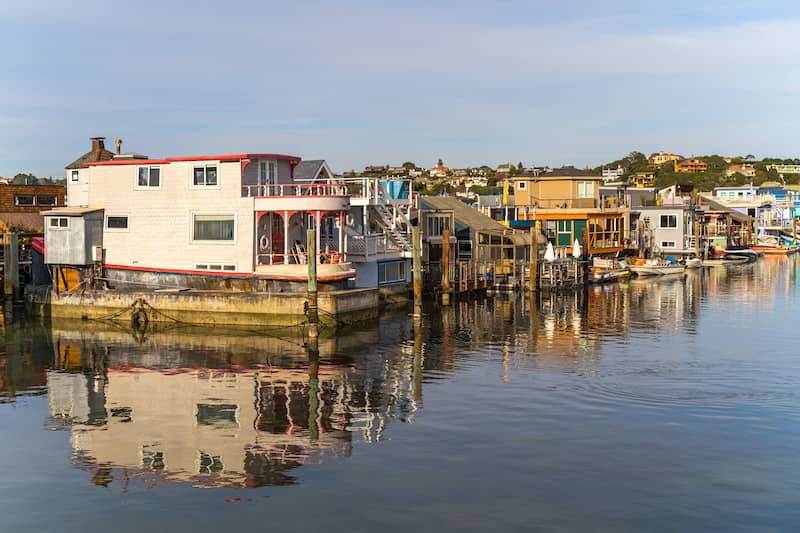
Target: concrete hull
{"x": 207, "y": 307}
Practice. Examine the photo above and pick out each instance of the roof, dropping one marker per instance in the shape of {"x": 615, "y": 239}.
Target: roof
{"x": 565, "y": 172}
{"x": 167, "y": 160}
{"x": 71, "y": 211}
{"x": 735, "y": 215}
{"x": 308, "y": 169}
{"x": 470, "y": 217}
{"x": 30, "y": 222}
{"x": 91, "y": 157}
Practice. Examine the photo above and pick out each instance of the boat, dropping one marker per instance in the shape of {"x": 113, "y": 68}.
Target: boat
{"x": 772, "y": 249}
{"x": 656, "y": 267}
{"x": 727, "y": 261}
{"x": 693, "y": 262}
{"x": 606, "y": 270}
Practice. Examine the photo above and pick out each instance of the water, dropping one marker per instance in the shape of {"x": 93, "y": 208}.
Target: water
{"x": 660, "y": 405}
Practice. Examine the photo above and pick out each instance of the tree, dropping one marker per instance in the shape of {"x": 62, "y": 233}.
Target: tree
{"x": 24, "y": 179}
{"x": 408, "y": 165}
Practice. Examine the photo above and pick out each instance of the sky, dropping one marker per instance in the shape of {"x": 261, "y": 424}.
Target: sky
{"x": 582, "y": 82}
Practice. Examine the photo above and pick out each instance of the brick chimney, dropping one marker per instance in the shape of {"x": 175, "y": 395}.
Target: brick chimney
{"x": 98, "y": 146}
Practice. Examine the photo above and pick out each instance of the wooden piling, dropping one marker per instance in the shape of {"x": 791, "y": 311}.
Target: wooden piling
{"x": 446, "y": 266}
{"x": 534, "y": 261}
{"x": 11, "y": 266}
{"x": 794, "y": 230}
{"x": 313, "y": 309}
{"x": 696, "y": 231}
{"x": 417, "y": 267}
{"x": 749, "y": 230}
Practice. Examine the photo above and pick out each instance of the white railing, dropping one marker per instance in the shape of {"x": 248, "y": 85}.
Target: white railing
{"x": 366, "y": 246}
{"x": 383, "y": 191}
{"x": 295, "y": 189}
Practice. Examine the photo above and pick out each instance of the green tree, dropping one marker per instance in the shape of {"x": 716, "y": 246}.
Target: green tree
{"x": 24, "y": 179}
{"x": 408, "y": 165}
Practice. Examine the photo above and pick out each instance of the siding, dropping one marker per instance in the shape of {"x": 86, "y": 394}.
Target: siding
{"x": 160, "y": 220}
{"x": 8, "y": 192}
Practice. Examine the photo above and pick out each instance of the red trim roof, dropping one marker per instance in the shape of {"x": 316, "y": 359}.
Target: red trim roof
{"x": 167, "y": 160}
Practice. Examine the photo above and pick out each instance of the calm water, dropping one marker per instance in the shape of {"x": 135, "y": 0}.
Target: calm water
{"x": 663, "y": 405}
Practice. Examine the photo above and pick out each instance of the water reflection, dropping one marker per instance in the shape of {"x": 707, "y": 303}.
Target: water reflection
{"x": 226, "y": 408}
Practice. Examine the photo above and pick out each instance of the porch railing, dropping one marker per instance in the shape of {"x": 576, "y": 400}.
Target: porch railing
{"x": 366, "y": 246}
{"x": 295, "y": 189}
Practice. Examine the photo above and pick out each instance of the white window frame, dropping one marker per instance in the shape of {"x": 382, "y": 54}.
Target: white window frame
{"x": 216, "y": 266}
{"x": 58, "y": 227}
{"x": 521, "y": 185}
{"x": 268, "y": 165}
{"x": 148, "y": 187}
{"x": 53, "y": 196}
{"x": 126, "y": 229}
{"x": 588, "y": 189}
{"x": 32, "y": 204}
{"x": 660, "y": 220}
{"x": 218, "y": 214}
{"x": 403, "y": 270}
{"x": 667, "y": 244}
{"x": 205, "y": 166}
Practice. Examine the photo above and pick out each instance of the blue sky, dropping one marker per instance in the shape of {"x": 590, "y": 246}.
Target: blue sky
{"x": 580, "y": 82}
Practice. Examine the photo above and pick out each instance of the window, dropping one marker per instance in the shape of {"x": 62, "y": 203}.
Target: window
{"x": 45, "y": 200}
{"x": 585, "y": 189}
{"x": 59, "y": 223}
{"x": 668, "y": 221}
{"x": 205, "y": 176}
{"x": 116, "y": 222}
{"x": 214, "y": 228}
{"x": 437, "y": 223}
{"x": 24, "y": 199}
{"x": 149, "y": 177}
{"x": 215, "y": 266}
{"x": 267, "y": 172}
{"x": 74, "y": 175}
{"x": 391, "y": 272}
{"x": 218, "y": 415}
{"x": 521, "y": 185}
{"x": 668, "y": 244}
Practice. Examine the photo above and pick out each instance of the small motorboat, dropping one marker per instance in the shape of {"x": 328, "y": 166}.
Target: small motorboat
{"x": 606, "y": 270}
{"x": 656, "y": 267}
{"x": 693, "y": 262}
{"x": 727, "y": 261}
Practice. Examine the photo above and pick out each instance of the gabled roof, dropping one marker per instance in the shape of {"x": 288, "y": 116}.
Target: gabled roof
{"x": 308, "y": 170}
{"x": 91, "y": 157}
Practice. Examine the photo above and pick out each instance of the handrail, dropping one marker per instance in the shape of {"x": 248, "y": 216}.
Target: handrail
{"x": 295, "y": 189}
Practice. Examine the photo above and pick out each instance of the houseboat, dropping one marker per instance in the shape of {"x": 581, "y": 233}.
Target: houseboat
{"x": 233, "y": 223}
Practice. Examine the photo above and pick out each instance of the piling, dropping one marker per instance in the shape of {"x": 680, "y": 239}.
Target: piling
{"x": 749, "y": 230}
{"x": 11, "y": 266}
{"x": 696, "y": 230}
{"x": 313, "y": 309}
{"x": 417, "y": 267}
{"x": 534, "y": 261}
{"x": 446, "y": 266}
{"x": 794, "y": 230}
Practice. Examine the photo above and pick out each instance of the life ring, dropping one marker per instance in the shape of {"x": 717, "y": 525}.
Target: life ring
{"x": 263, "y": 243}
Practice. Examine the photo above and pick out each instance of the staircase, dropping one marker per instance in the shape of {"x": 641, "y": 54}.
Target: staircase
{"x": 392, "y": 227}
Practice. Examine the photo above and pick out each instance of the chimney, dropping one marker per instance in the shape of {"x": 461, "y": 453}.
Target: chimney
{"x": 118, "y": 142}
{"x": 98, "y": 145}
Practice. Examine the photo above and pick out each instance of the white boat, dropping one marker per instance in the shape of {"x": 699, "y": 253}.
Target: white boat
{"x": 694, "y": 262}
{"x": 654, "y": 267}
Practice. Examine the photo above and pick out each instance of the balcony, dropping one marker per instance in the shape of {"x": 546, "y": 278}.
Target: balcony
{"x": 298, "y": 197}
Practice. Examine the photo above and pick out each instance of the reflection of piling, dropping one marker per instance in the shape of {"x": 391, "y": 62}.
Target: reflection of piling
{"x": 313, "y": 389}
{"x": 313, "y": 313}
{"x": 417, "y": 360}
{"x": 11, "y": 266}
{"x": 446, "y": 266}
{"x": 417, "y": 264}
